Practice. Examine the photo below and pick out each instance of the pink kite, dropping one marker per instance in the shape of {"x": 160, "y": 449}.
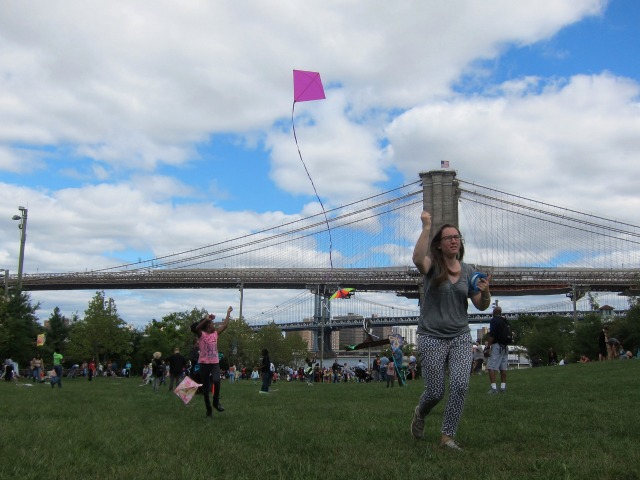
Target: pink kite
{"x": 307, "y": 86}
{"x": 187, "y": 389}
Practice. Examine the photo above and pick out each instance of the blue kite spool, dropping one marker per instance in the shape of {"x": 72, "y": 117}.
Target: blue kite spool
{"x": 473, "y": 281}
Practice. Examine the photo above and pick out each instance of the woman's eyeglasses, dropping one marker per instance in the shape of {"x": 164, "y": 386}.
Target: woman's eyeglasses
{"x": 448, "y": 238}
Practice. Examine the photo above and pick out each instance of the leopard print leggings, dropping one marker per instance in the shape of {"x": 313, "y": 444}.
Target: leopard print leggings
{"x": 435, "y": 353}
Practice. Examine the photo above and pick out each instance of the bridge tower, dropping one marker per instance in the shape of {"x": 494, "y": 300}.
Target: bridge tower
{"x": 440, "y": 196}
{"x": 321, "y": 317}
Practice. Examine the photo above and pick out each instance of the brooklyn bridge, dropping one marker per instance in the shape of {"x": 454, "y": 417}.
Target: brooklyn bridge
{"x": 529, "y": 247}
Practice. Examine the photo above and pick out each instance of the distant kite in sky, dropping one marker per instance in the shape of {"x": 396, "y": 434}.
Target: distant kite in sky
{"x": 343, "y": 293}
{"x": 307, "y": 86}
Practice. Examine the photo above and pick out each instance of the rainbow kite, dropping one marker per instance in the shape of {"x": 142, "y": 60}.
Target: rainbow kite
{"x": 343, "y": 293}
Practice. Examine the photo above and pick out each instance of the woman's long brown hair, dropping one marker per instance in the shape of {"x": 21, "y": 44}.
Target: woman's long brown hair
{"x": 438, "y": 270}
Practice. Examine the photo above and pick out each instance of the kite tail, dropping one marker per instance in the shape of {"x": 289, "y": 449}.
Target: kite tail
{"x": 326, "y": 220}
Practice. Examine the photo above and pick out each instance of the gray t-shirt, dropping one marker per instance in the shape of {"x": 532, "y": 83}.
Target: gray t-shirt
{"x": 443, "y": 312}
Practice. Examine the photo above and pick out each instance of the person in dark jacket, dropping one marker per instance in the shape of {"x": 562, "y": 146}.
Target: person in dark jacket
{"x": 176, "y": 366}
{"x": 265, "y": 370}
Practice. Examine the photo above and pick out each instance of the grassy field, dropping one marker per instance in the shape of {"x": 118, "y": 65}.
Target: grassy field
{"x": 572, "y": 422}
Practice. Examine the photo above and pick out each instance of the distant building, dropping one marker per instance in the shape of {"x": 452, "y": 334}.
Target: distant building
{"x": 480, "y": 333}
{"x": 517, "y": 356}
{"x": 351, "y": 336}
{"x": 606, "y": 311}
{"x": 408, "y": 332}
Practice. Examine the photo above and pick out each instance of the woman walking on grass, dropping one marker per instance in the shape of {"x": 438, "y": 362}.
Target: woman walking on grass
{"x": 443, "y": 331}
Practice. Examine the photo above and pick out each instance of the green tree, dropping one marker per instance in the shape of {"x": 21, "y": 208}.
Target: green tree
{"x": 238, "y": 344}
{"x": 173, "y": 330}
{"x": 541, "y": 333}
{"x": 19, "y": 328}
{"x": 627, "y": 329}
{"x": 586, "y": 338}
{"x": 295, "y": 349}
{"x": 102, "y": 334}
{"x": 154, "y": 339}
{"x": 593, "y": 302}
{"x": 283, "y": 351}
{"x": 270, "y": 337}
{"x": 58, "y": 331}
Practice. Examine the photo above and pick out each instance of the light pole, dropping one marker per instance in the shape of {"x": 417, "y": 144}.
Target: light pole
{"x": 23, "y": 238}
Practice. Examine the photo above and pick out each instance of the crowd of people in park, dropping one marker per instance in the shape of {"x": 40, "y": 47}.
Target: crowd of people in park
{"x": 171, "y": 371}
{"x": 53, "y": 372}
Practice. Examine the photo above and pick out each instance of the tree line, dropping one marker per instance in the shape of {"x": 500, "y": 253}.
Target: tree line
{"x": 101, "y": 334}
{"x": 571, "y": 339}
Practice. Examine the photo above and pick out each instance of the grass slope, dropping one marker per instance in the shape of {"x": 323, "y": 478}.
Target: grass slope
{"x": 572, "y": 422}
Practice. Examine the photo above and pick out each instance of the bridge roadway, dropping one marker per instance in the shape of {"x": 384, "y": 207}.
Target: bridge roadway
{"x": 405, "y": 281}
{"x": 355, "y": 321}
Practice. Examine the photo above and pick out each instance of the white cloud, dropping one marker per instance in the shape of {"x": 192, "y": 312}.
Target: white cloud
{"x": 563, "y": 143}
{"x": 120, "y": 95}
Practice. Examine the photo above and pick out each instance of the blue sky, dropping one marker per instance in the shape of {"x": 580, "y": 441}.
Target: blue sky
{"x": 153, "y": 127}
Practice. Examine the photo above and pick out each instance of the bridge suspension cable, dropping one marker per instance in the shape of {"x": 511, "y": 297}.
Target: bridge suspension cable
{"x": 300, "y": 307}
{"x": 508, "y": 229}
{"x": 364, "y": 225}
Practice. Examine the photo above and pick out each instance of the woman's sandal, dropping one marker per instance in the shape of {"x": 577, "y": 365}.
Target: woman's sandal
{"x": 451, "y": 444}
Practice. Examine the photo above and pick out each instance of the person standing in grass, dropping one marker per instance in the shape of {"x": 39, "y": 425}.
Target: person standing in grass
{"x": 92, "y": 369}
{"x": 255, "y": 375}
{"x": 384, "y": 363}
{"x": 232, "y": 373}
{"x": 8, "y": 370}
{"x": 335, "y": 370}
{"x": 443, "y": 331}
{"x": 176, "y": 365}
{"x": 499, "y": 359}
{"x": 478, "y": 359}
{"x": 209, "y": 361}
{"x": 553, "y": 356}
{"x": 57, "y": 367}
{"x": 37, "y": 367}
{"x": 157, "y": 370}
{"x": 391, "y": 372}
{"x": 603, "y": 338}
{"x": 265, "y": 370}
{"x": 375, "y": 369}
{"x": 412, "y": 366}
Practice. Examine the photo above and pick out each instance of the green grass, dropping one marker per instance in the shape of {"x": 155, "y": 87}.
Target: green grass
{"x": 573, "y": 422}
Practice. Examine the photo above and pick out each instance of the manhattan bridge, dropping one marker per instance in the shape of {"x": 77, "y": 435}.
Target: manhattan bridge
{"x": 528, "y": 246}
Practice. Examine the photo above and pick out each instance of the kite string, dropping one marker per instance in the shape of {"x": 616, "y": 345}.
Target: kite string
{"x": 313, "y": 185}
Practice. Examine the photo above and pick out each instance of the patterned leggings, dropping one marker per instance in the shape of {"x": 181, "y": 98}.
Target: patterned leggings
{"x": 435, "y": 353}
